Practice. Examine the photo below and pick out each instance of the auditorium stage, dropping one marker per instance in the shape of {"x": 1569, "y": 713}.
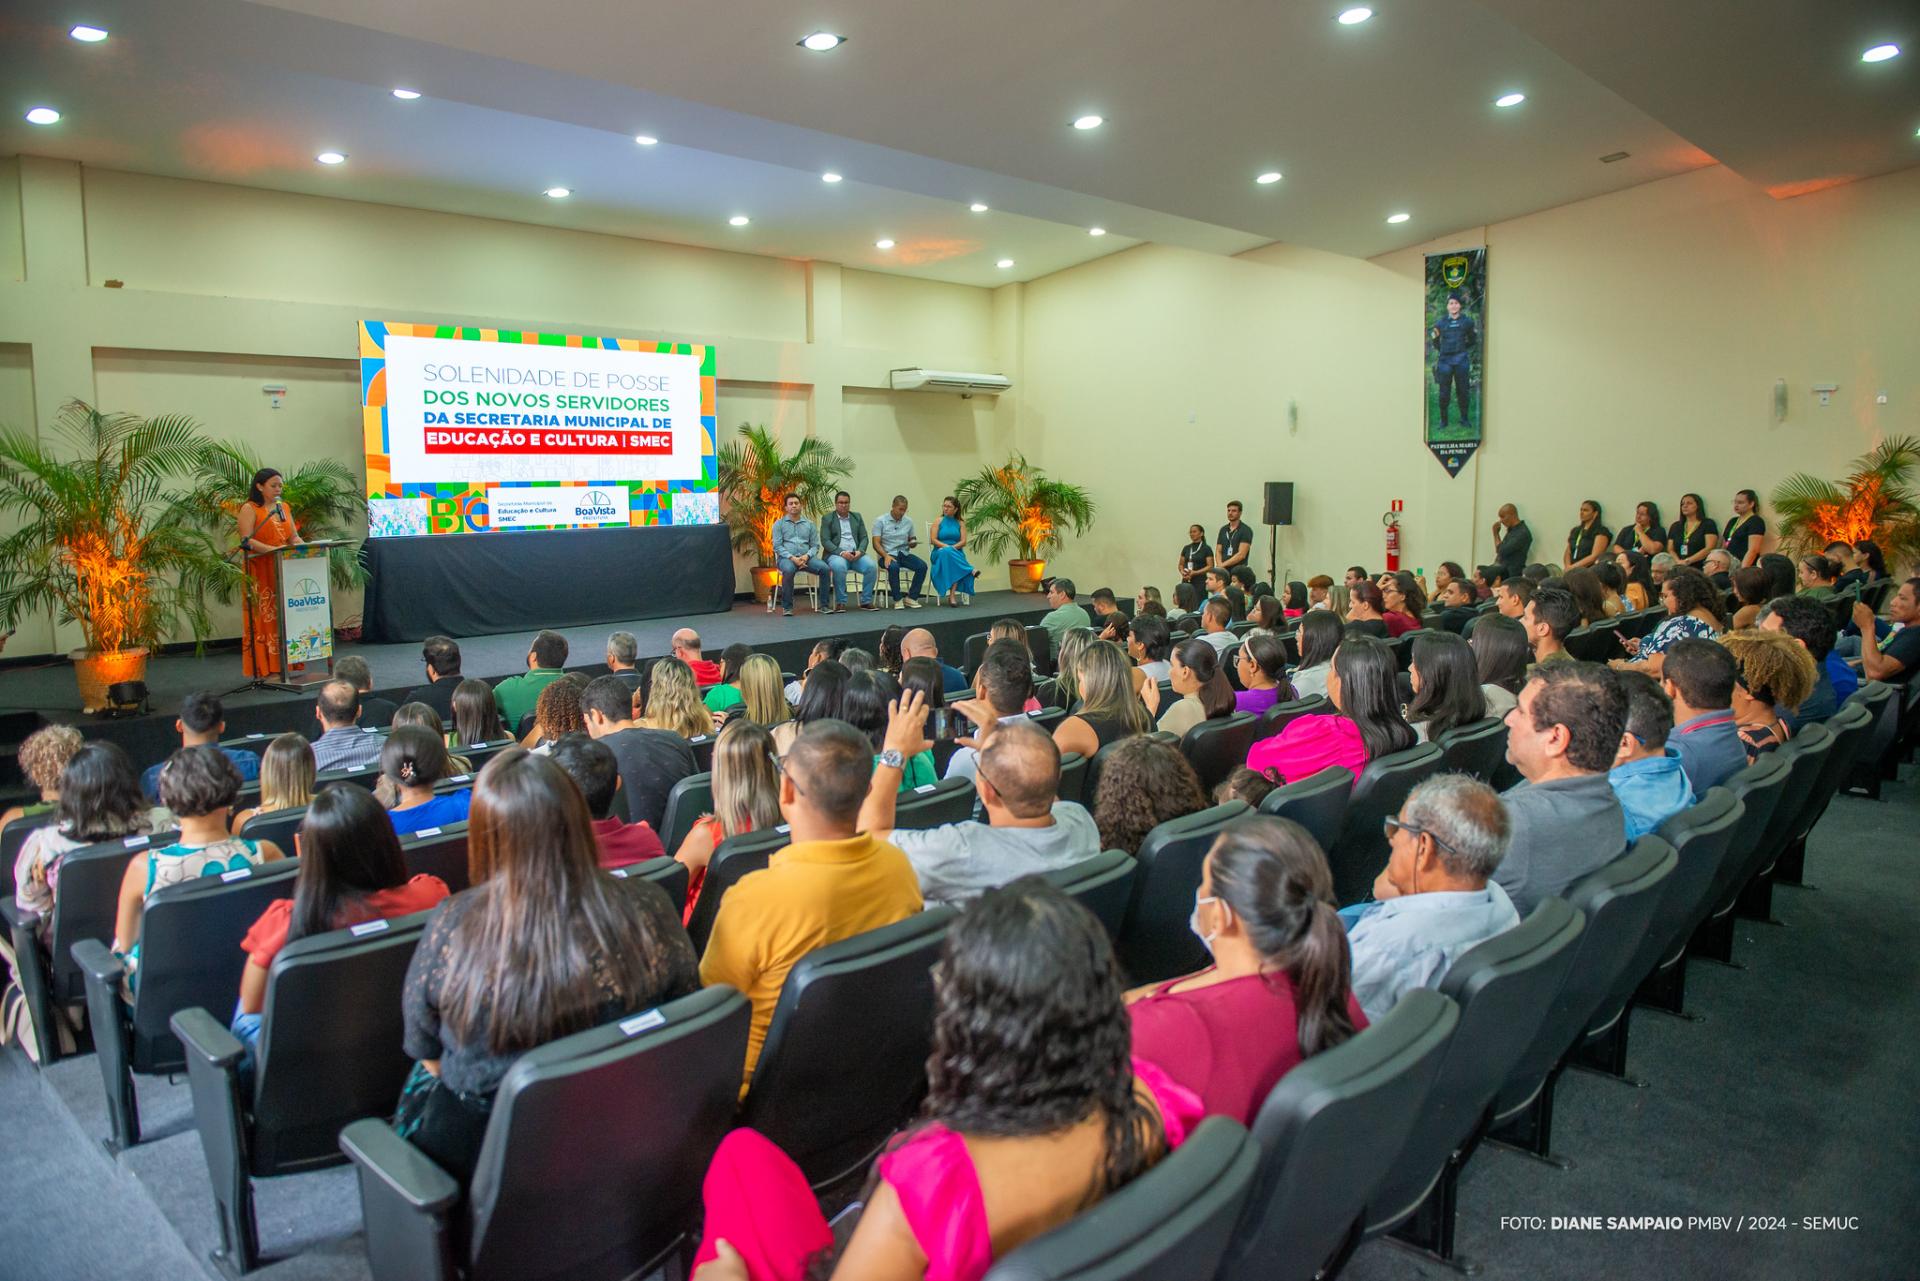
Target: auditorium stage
{"x": 48, "y": 688}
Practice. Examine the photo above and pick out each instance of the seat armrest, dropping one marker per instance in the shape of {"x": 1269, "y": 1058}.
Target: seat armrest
{"x": 207, "y": 1039}
{"x": 97, "y": 961}
{"x": 17, "y": 917}
{"x": 112, "y": 1038}
{"x": 214, "y": 1056}
{"x": 405, "y": 1200}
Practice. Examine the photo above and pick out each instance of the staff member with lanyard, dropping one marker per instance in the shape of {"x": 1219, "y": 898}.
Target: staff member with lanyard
{"x": 1196, "y": 556}
{"x": 1747, "y": 531}
{"x": 1235, "y": 541}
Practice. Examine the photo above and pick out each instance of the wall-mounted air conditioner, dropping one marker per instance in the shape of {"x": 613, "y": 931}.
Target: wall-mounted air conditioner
{"x": 948, "y": 380}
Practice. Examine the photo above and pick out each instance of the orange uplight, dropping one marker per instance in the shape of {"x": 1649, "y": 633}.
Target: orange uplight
{"x": 113, "y": 591}
{"x": 1852, "y": 520}
{"x": 1036, "y": 570}
{"x": 1035, "y": 528}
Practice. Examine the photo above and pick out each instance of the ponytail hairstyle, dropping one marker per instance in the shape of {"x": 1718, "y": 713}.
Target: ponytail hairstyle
{"x": 415, "y": 756}
{"x": 1269, "y": 654}
{"x": 1203, "y": 660}
{"x": 348, "y": 850}
{"x": 1271, "y": 874}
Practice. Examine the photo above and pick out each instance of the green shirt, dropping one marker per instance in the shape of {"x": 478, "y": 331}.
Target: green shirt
{"x": 721, "y": 697}
{"x": 918, "y": 771}
{"x": 516, "y": 695}
{"x": 1068, "y": 615}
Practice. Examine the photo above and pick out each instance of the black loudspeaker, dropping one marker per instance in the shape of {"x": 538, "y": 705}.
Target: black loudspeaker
{"x": 1279, "y": 503}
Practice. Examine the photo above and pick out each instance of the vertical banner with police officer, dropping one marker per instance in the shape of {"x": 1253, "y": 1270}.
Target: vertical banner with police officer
{"x": 1456, "y": 336}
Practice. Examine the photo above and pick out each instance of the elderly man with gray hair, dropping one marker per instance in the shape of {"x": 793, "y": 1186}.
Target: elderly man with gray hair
{"x": 1435, "y": 897}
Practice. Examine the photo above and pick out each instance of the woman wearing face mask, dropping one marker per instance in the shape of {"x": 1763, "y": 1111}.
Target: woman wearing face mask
{"x": 1279, "y": 990}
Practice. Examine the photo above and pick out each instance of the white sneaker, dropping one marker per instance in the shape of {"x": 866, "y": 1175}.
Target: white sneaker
{"x": 910, "y": 603}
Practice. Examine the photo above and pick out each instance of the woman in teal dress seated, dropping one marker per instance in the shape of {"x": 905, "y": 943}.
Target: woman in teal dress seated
{"x": 952, "y": 575}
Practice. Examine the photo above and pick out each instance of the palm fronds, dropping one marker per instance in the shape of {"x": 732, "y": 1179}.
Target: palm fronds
{"x": 755, "y": 479}
{"x": 1877, "y": 500}
{"x": 1014, "y": 507}
{"x": 324, "y": 496}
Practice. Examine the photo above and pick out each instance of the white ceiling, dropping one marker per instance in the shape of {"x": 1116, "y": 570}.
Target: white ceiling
{"x": 927, "y": 108}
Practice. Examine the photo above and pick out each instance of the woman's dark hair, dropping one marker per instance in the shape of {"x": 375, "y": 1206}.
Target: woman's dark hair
{"x": 1275, "y": 879}
{"x": 1203, "y": 660}
{"x": 1820, "y": 566}
{"x": 1243, "y": 785}
{"x": 420, "y": 714}
{"x": 1587, "y": 593}
{"x": 924, "y": 674}
{"x": 1782, "y": 576}
{"x": 891, "y": 659}
{"x": 549, "y": 933}
{"x": 198, "y": 780}
{"x": 1030, "y": 1032}
{"x": 1156, "y": 639}
{"x": 100, "y": 794}
{"x": 261, "y": 477}
{"x": 1319, "y": 636}
{"x": 1144, "y": 782}
{"x": 1694, "y": 590}
{"x": 1449, "y": 684}
{"x": 415, "y": 756}
{"x": 1640, "y": 570}
{"x": 1186, "y": 597}
{"x": 1653, "y": 517}
{"x": 1753, "y": 500}
{"x": 348, "y": 850}
{"x": 1750, "y": 585}
{"x": 825, "y": 690}
{"x": 1876, "y": 559}
{"x": 1269, "y": 654}
{"x": 864, "y": 705}
{"x": 1370, "y": 695}
{"x": 476, "y": 718}
{"x": 1502, "y": 653}
{"x": 730, "y": 660}
{"x": 1599, "y": 512}
{"x": 1611, "y": 576}
{"x": 1699, "y": 507}
{"x": 1416, "y": 595}
{"x": 1297, "y": 595}
{"x": 1368, "y": 594}
{"x": 1267, "y": 613}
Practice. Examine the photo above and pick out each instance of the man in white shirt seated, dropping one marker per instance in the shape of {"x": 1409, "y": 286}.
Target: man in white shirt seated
{"x": 1028, "y": 829}
{"x": 1435, "y": 898}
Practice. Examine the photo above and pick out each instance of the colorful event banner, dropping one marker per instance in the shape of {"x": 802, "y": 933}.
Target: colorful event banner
{"x": 474, "y": 430}
{"x": 1456, "y": 336}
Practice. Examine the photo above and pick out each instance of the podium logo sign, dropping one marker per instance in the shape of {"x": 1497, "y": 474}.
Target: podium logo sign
{"x": 307, "y": 612}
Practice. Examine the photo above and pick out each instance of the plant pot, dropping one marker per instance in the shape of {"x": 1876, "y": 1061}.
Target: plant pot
{"x": 1026, "y": 574}
{"x": 764, "y": 579}
{"x": 95, "y": 671}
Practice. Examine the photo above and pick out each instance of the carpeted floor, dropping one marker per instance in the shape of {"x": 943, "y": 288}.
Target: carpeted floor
{"x": 1793, "y": 1097}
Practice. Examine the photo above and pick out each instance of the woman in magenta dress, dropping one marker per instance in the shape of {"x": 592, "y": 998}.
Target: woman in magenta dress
{"x": 265, "y": 523}
{"x": 1368, "y": 724}
{"x": 1034, "y": 1113}
{"x": 1279, "y": 989}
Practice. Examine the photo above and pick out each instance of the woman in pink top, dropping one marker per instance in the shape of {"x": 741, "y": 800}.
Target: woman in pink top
{"x": 1361, "y": 684}
{"x": 1279, "y": 989}
{"x": 1034, "y": 1113}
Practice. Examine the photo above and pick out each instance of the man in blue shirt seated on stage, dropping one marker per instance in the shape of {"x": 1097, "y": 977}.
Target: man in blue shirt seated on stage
{"x": 1648, "y": 779}
{"x": 796, "y": 549}
{"x": 202, "y": 720}
{"x": 893, "y": 542}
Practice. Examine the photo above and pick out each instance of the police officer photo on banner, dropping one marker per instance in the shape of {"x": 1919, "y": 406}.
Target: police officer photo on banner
{"x": 1456, "y": 332}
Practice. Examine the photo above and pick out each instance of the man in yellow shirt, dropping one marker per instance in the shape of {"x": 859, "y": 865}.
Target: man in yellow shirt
{"x": 831, "y": 883}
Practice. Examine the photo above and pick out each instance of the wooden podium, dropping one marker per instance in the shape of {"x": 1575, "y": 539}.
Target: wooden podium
{"x": 303, "y": 608}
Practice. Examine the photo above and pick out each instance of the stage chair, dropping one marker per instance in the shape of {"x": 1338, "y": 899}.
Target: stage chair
{"x": 845, "y": 1060}
{"x": 1155, "y": 942}
{"x": 1170, "y": 1224}
{"x": 1103, "y": 884}
{"x": 329, "y": 1054}
{"x": 812, "y": 589}
{"x": 606, "y": 1134}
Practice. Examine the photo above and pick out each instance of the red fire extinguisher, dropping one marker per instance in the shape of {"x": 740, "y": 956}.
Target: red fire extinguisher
{"x": 1392, "y": 521}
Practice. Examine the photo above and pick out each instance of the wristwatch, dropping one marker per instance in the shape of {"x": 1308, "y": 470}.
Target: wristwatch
{"x": 892, "y": 759}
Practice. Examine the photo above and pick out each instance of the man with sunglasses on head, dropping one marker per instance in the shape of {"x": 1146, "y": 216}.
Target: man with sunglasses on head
{"x": 1435, "y": 899}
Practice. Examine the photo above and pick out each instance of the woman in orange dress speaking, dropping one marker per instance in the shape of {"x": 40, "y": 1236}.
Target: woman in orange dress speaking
{"x": 265, "y": 523}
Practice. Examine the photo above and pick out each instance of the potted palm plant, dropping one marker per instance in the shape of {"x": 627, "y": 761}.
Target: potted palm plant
{"x": 325, "y": 497}
{"x": 108, "y": 538}
{"x": 755, "y": 479}
{"x": 1015, "y": 508}
{"x": 1877, "y": 501}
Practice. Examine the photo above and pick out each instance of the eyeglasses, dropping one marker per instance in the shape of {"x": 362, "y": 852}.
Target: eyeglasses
{"x": 1390, "y": 823}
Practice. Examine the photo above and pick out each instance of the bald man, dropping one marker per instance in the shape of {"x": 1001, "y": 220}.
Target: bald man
{"x": 1029, "y": 828}
{"x": 686, "y": 648}
{"x": 919, "y": 643}
{"x": 1512, "y": 541}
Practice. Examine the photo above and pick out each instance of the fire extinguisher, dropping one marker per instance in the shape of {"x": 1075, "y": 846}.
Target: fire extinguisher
{"x": 1392, "y": 521}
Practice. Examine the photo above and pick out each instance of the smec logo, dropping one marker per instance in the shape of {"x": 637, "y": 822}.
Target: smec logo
{"x": 594, "y": 503}
{"x": 306, "y": 594}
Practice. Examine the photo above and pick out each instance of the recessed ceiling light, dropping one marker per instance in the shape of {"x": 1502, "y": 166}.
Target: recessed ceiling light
{"x": 332, "y": 157}
{"x": 883, "y": 243}
{"x": 1089, "y": 122}
{"x": 43, "y": 116}
{"x": 1004, "y": 263}
{"x": 829, "y": 177}
{"x": 1510, "y": 100}
{"x": 977, "y": 207}
{"x": 738, "y": 220}
{"x": 1880, "y": 53}
{"x": 1355, "y": 16}
{"x": 1398, "y": 218}
{"x": 406, "y": 95}
{"x": 558, "y": 193}
{"x": 1268, "y": 178}
{"x": 645, "y": 139}
{"x": 822, "y": 41}
{"x": 88, "y": 35}
{"x": 1096, "y": 231}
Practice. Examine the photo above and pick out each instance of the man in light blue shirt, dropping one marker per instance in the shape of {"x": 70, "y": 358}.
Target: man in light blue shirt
{"x": 796, "y": 549}
{"x": 893, "y": 543}
{"x": 1435, "y": 899}
{"x": 1647, "y": 778}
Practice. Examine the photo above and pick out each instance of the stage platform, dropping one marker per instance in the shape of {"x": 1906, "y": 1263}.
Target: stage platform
{"x": 46, "y": 691}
